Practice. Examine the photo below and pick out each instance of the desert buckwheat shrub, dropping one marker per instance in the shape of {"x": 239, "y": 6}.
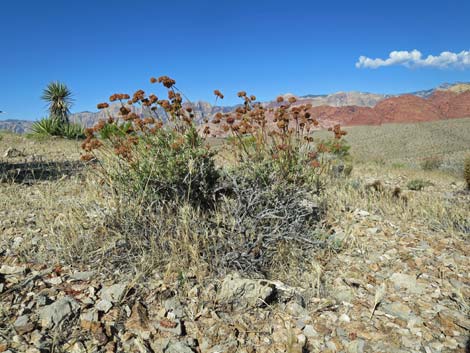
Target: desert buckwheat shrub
{"x": 258, "y": 214}
{"x": 280, "y": 136}
{"x": 155, "y": 157}
{"x": 466, "y": 171}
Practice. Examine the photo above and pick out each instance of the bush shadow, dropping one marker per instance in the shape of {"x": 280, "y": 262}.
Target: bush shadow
{"x": 31, "y": 172}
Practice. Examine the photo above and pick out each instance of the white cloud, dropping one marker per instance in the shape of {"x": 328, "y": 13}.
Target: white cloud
{"x": 414, "y": 58}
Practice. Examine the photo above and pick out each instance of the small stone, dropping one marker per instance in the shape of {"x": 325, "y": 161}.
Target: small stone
{"x": 82, "y": 276}
{"x": 17, "y": 242}
{"x": 54, "y": 280}
{"x": 177, "y": 347}
{"x": 172, "y": 326}
{"x": 407, "y": 282}
{"x": 300, "y": 324}
{"x": 301, "y": 340}
{"x": 104, "y": 305}
{"x": 344, "y": 318}
{"x": 344, "y": 295}
{"x": 244, "y": 293}
{"x": 42, "y": 300}
{"x": 397, "y": 309}
{"x": 174, "y": 308}
{"x": 12, "y": 270}
{"x": 36, "y": 338}
{"x": 309, "y": 331}
{"x": 12, "y": 152}
{"x": 356, "y": 346}
{"x": 89, "y": 320}
{"x": 372, "y": 231}
{"x": 296, "y": 310}
{"x": 113, "y": 293}
{"x": 52, "y": 315}
{"x": 362, "y": 213}
{"x": 23, "y": 324}
{"x": 138, "y": 322}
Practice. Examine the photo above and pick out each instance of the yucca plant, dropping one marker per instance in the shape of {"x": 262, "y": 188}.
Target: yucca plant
{"x": 72, "y": 131}
{"x": 46, "y": 126}
{"x": 54, "y": 127}
{"x": 59, "y": 98}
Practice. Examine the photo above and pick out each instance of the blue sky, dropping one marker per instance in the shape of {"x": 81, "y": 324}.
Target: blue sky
{"x": 99, "y": 47}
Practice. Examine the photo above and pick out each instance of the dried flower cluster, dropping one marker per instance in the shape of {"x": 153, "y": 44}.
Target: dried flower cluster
{"x": 129, "y": 124}
{"x": 284, "y": 141}
{"x": 292, "y": 130}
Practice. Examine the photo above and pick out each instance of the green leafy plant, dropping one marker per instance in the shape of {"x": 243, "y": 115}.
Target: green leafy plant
{"x": 72, "y": 131}
{"x": 418, "y": 184}
{"x": 54, "y": 127}
{"x": 46, "y": 126}
{"x": 165, "y": 167}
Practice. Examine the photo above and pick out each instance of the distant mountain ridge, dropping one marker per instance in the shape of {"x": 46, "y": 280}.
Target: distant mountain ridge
{"x": 344, "y": 107}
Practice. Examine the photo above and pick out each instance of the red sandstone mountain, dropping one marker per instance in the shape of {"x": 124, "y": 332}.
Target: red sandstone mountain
{"x": 406, "y": 108}
{"x": 401, "y": 109}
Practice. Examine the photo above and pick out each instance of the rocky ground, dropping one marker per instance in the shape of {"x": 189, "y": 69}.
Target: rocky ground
{"x": 391, "y": 285}
{"x": 417, "y": 283}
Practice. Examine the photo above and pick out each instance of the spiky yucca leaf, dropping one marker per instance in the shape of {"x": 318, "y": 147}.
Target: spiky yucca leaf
{"x": 46, "y": 126}
{"x": 59, "y": 98}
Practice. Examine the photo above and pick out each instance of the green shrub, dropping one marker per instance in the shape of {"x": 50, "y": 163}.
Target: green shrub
{"x": 418, "y": 184}
{"x": 111, "y": 130}
{"x": 338, "y": 147}
{"x": 431, "y": 163}
{"x": 72, "y": 131}
{"x": 398, "y": 165}
{"x": 54, "y": 127}
{"x": 163, "y": 167}
{"x": 466, "y": 171}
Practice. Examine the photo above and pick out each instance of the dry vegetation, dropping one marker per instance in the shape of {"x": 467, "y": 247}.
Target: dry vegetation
{"x": 87, "y": 219}
{"x": 397, "y": 145}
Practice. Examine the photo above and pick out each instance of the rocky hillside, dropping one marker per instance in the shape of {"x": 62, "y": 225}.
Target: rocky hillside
{"x": 16, "y": 126}
{"x": 399, "y": 109}
{"x": 348, "y": 108}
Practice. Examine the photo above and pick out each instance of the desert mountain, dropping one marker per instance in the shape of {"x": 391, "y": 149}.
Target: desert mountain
{"x": 15, "y": 125}
{"x": 446, "y": 101}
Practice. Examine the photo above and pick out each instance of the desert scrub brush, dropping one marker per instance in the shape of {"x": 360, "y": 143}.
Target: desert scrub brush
{"x": 466, "y": 171}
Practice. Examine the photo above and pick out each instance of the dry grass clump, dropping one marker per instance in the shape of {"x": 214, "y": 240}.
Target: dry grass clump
{"x": 408, "y": 145}
{"x": 432, "y": 210}
{"x": 431, "y": 163}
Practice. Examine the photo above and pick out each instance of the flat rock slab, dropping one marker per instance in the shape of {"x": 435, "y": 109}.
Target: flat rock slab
{"x": 243, "y": 292}
{"x": 52, "y": 315}
{"x": 113, "y": 293}
{"x": 406, "y": 282}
